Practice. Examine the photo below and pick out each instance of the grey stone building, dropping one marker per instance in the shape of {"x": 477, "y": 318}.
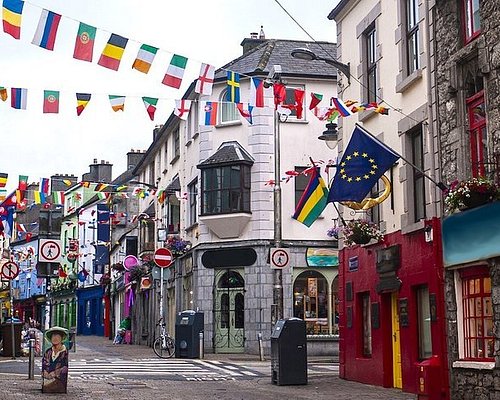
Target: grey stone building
{"x": 467, "y": 36}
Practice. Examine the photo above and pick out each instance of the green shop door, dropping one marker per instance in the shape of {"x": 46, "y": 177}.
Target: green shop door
{"x": 229, "y": 311}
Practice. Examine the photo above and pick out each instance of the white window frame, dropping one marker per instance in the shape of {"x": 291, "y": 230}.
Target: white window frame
{"x": 224, "y": 103}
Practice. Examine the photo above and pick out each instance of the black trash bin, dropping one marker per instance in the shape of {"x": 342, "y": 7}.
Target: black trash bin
{"x": 188, "y": 326}
{"x": 289, "y": 352}
{"x": 7, "y": 339}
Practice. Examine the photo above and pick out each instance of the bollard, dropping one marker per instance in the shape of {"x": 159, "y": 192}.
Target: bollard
{"x": 261, "y": 346}
{"x": 202, "y": 345}
{"x": 31, "y": 370}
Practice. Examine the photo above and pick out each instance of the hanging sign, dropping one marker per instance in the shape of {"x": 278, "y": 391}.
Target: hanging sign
{"x": 280, "y": 258}
{"x": 50, "y": 251}
{"x": 10, "y": 270}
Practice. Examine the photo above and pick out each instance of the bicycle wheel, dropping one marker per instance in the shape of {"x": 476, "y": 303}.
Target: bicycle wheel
{"x": 164, "y": 349}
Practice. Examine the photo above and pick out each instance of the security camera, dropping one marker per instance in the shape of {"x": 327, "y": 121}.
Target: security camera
{"x": 268, "y": 83}
{"x": 274, "y": 74}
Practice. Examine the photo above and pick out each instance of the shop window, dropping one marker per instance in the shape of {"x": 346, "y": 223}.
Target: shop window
{"x": 471, "y": 20}
{"x": 366, "y": 324}
{"x": 424, "y": 323}
{"x": 477, "y": 318}
{"x": 310, "y": 302}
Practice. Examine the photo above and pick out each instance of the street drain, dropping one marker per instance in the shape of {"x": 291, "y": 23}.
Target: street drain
{"x": 123, "y": 385}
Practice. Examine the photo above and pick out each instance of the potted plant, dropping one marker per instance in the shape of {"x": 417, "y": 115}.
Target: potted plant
{"x": 176, "y": 245}
{"x": 360, "y": 231}
{"x": 470, "y": 193}
{"x": 334, "y": 232}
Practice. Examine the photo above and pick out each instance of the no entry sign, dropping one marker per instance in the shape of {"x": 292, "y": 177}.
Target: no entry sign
{"x": 10, "y": 270}
{"x": 163, "y": 257}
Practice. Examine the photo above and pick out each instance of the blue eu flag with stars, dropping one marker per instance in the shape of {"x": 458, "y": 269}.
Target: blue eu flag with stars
{"x": 364, "y": 161}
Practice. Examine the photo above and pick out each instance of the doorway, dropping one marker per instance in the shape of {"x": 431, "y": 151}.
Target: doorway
{"x": 229, "y": 312}
{"x": 396, "y": 344}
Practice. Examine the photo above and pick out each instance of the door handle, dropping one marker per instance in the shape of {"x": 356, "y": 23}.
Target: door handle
{"x": 394, "y": 336}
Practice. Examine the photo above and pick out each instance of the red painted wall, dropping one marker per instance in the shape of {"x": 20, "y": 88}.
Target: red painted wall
{"x": 421, "y": 264}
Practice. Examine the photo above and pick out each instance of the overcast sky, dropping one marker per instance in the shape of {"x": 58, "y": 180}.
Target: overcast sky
{"x": 40, "y": 145}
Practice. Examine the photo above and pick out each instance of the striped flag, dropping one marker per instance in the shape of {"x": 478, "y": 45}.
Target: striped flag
{"x": 3, "y": 194}
{"x": 18, "y": 98}
{"x": 245, "y": 110}
{"x": 175, "y": 71}
{"x": 117, "y": 102}
{"x": 3, "y": 179}
{"x": 3, "y": 93}
{"x": 39, "y": 197}
{"x": 205, "y": 80}
{"x": 100, "y": 187}
{"x": 145, "y": 58}
{"x": 67, "y": 182}
{"x": 20, "y": 228}
{"x": 209, "y": 116}
{"x": 23, "y": 182}
{"x": 113, "y": 52}
{"x": 257, "y": 92}
{"x": 341, "y": 107}
{"x": 182, "y": 108}
{"x": 313, "y": 201}
{"x": 103, "y": 195}
{"x": 11, "y": 15}
{"x": 84, "y": 44}
{"x": 50, "y": 102}
{"x": 82, "y": 99}
{"x": 45, "y": 35}
{"x": 45, "y": 185}
{"x": 150, "y": 104}
{"x": 58, "y": 198}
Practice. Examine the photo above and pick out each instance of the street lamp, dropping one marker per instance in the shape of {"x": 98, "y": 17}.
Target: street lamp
{"x": 306, "y": 54}
{"x": 330, "y": 136}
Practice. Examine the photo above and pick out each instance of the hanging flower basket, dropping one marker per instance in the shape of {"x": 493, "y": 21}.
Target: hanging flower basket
{"x": 177, "y": 246}
{"x": 471, "y": 193}
{"x": 334, "y": 232}
{"x": 360, "y": 231}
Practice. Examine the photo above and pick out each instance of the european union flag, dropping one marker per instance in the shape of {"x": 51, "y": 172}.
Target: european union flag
{"x": 364, "y": 161}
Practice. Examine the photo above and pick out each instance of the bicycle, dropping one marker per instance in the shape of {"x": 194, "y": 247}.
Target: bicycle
{"x": 164, "y": 345}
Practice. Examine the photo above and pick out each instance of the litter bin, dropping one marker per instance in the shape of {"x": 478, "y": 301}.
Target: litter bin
{"x": 7, "y": 339}
{"x": 188, "y": 326}
{"x": 289, "y": 352}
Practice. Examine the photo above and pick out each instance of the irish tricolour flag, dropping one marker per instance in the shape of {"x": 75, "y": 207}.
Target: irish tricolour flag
{"x": 117, "y": 102}
{"x": 145, "y": 58}
{"x": 175, "y": 71}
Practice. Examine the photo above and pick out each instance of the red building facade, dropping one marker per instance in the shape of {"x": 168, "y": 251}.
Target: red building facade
{"x": 392, "y": 315}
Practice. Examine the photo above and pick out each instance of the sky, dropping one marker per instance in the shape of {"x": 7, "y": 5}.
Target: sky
{"x": 41, "y": 145}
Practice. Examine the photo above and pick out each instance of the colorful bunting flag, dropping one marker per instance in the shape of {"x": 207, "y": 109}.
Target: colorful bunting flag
{"x": 82, "y": 99}
{"x": 342, "y": 108}
{"x": 117, "y": 102}
{"x": 121, "y": 187}
{"x": 257, "y": 92}
{"x": 50, "y": 102}
{"x": 3, "y": 194}
{"x": 150, "y": 104}
{"x": 19, "y": 197}
{"x": 313, "y": 200}
{"x": 23, "y": 182}
{"x": 279, "y": 94}
{"x": 315, "y": 100}
{"x": 233, "y": 87}
{"x": 182, "y": 108}
{"x": 205, "y": 80}
{"x": 3, "y": 93}
{"x": 39, "y": 197}
{"x": 67, "y": 182}
{"x": 209, "y": 116}
{"x": 11, "y": 13}
{"x": 3, "y": 179}
{"x": 84, "y": 44}
{"x": 299, "y": 102}
{"x": 20, "y": 228}
{"x": 145, "y": 58}
{"x": 45, "y": 185}
{"x": 85, "y": 184}
{"x": 245, "y": 110}
{"x": 58, "y": 198}
{"x": 103, "y": 195}
{"x": 113, "y": 52}
{"x": 100, "y": 187}
{"x": 45, "y": 35}
{"x": 18, "y": 98}
{"x": 175, "y": 71}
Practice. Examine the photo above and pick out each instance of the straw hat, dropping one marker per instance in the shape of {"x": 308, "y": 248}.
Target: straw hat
{"x": 56, "y": 329}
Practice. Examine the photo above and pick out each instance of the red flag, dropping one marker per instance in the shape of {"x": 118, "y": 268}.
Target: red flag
{"x": 279, "y": 93}
{"x": 299, "y": 102}
{"x": 62, "y": 274}
{"x": 315, "y": 100}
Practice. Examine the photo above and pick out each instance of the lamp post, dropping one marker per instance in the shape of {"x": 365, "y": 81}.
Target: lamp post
{"x": 308, "y": 55}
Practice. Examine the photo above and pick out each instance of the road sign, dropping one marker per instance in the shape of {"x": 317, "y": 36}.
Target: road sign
{"x": 163, "y": 257}
{"x": 50, "y": 251}
{"x": 280, "y": 258}
{"x": 130, "y": 262}
{"x": 10, "y": 270}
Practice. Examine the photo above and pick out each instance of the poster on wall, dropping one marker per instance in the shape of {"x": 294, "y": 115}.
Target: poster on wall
{"x": 322, "y": 257}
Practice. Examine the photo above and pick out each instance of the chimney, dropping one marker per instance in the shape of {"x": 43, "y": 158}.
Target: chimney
{"x": 99, "y": 172}
{"x": 253, "y": 41}
{"x": 156, "y": 131}
{"x": 133, "y": 158}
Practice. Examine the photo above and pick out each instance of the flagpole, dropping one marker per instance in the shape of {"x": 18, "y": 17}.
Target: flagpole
{"x": 440, "y": 185}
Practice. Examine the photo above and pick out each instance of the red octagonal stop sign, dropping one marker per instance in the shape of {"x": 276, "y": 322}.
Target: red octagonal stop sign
{"x": 163, "y": 257}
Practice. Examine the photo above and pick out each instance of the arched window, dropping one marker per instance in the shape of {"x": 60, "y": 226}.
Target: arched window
{"x": 310, "y": 301}
{"x": 228, "y": 112}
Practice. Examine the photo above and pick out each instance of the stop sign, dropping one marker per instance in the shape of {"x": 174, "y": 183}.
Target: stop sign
{"x": 163, "y": 257}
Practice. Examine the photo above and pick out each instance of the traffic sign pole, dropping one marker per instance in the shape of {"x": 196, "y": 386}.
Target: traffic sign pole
{"x": 161, "y": 294}
{"x": 12, "y": 334}
{"x": 163, "y": 258}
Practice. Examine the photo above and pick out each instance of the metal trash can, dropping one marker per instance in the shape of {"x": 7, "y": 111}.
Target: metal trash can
{"x": 188, "y": 326}
{"x": 7, "y": 339}
{"x": 289, "y": 352}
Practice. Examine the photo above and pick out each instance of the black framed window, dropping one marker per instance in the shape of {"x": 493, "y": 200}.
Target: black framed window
{"x": 193, "y": 205}
{"x": 412, "y": 42}
{"x": 417, "y": 156}
{"x": 226, "y": 189}
{"x": 301, "y": 182}
{"x": 176, "y": 144}
{"x": 371, "y": 64}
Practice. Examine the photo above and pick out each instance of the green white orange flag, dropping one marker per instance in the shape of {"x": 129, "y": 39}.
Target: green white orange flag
{"x": 175, "y": 71}
{"x": 117, "y": 102}
{"x": 50, "y": 102}
{"x": 82, "y": 99}
{"x": 58, "y": 198}
{"x": 3, "y": 93}
{"x": 150, "y": 104}
{"x": 145, "y": 58}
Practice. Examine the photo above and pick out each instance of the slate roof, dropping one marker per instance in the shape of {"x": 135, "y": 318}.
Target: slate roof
{"x": 260, "y": 60}
{"x": 228, "y": 153}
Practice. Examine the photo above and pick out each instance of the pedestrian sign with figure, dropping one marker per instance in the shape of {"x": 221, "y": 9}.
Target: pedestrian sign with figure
{"x": 280, "y": 258}
{"x": 50, "y": 251}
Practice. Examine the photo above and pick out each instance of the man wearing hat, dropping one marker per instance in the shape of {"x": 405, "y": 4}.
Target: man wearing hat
{"x": 55, "y": 362}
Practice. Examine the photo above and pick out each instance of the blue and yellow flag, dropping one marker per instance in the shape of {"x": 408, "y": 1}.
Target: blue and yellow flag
{"x": 233, "y": 87}
{"x": 313, "y": 200}
{"x": 364, "y": 161}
